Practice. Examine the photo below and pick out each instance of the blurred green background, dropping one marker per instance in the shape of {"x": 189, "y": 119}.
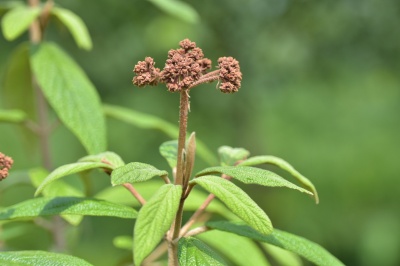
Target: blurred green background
{"x": 321, "y": 89}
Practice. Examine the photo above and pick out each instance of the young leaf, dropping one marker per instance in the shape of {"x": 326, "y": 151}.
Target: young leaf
{"x": 238, "y": 250}
{"x": 38, "y": 257}
{"x": 65, "y": 205}
{"x": 69, "y": 169}
{"x": 152, "y": 122}
{"x": 108, "y": 157}
{"x": 178, "y": 9}
{"x": 229, "y": 156}
{"x": 256, "y": 160}
{"x": 190, "y": 155}
{"x": 168, "y": 150}
{"x": 12, "y": 116}
{"x": 154, "y": 219}
{"x": 123, "y": 242}
{"x": 135, "y": 172}
{"x": 18, "y": 20}
{"x": 193, "y": 252}
{"x": 252, "y": 175}
{"x": 237, "y": 201}
{"x": 296, "y": 244}
{"x": 75, "y": 25}
{"x": 71, "y": 94}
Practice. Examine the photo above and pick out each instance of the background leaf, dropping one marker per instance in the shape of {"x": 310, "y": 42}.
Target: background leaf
{"x": 168, "y": 150}
{"x": 135, "y": 172}
{"x": 178, "y": 9}
{"x": 75, "y": 25}
{"x": 66, "y": 205}
{"x": 18, "y": 20}
{"x": 69, "y": 169}
{"x": 282, "y": 256}
{"x": 71, "y": 94}
{"x": 193, "y": 252}
{"x": 123, "y": 242}
{"x": 267, "y": 159}
{"x": 229, "y": 156}
{"x": 12, "y": 116}
{"x": 237, "y": 201}
{"x": 108, "y": 156}
{"x": 296, "y": 244}
{"x": 38, "y": 257}
{"x": 154, "y": 219}
{"x": 252, "y": 175}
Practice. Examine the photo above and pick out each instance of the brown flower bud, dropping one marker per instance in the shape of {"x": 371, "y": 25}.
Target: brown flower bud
{"x": 229, "y": 74}
{"x": 5, "y": 165}
{"x": 146, "y": 73}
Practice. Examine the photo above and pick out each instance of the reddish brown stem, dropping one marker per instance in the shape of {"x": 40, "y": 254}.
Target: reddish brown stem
{"x": 135, "y": 193}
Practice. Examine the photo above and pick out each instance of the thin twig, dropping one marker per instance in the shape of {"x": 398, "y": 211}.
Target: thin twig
{"x": 158, "y": 252}
{"x": 135, "y": 193}
{"x": 197, "y": 230}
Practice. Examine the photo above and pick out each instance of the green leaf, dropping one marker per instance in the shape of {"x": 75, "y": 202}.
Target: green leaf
{"x": 229, "y": 156}
{"x": 169, "y": 150}
{"x": 178, "y": 9}
{"x": 147, "y": 121}
{"x": 12, "y": 116}
{"x": 75, "y": 25}
{"x": 123, "y": 242}
{"x": 108, "y": 157}
{"x": 18, "y": 20}
{"x": 38, "y": 257}
{"x": 251, "y": 175}
{"x": 256, "y": 160}
{"x": 69, "y": 169}
{"x": 71, "y": 94}
{"x": 237, "y": 249}
{"x": 154, "y": 219}
{"x": 135, "y": 172}
{"x": 65, "y": 205}
{"x": 282, "y": 256}
{"x": 237, "y": 201}
{"x": 193, "y": 252}
{"x": 296, "y": 244}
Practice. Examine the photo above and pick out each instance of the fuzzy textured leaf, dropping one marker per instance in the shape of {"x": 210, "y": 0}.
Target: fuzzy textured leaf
{"x": 237, "y": 201}
{"x": 147, "y": 121}
{"x": 105, "y": 157}
{"x": 154, "y": 219}
{"x": 252, "y": 175}
{"x": 168, "y": 150}
{"x": 178, "y": 9}
{"x": 135, "y": 172}
{"x": 296, "y": 244}
{"x": 12, "y": 116}
{"x": 38, "y": 257}
{"x": 193, "y": 252}
{"x": 69, "y": 169}
{"x": 229, "y": 156}
{"x": 71, "y": 94}
{"x": 48, "y": 206}
{"x": 267, "y": 159}
{"x": 18, "y": 20}
{"x": 75, "y": 25}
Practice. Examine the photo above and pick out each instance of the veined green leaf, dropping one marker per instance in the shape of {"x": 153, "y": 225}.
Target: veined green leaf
{"x": 135, "y": 172}
{"x": 296, "y": 244}
{"x": 12, "y": 116}
{"x": 65, "y": 205}
{"x": 105, "y": 157}
{"x": 237, "y": 201}
{"x": 154, "y": 219}
{"x": 18, "y": 20}
{"x": 38, "y": 257}
{"x": 238, "y": 250}
{"x": 256, "y": 160}
{"x": 75, "y": 25}
{"x": 230, "y": 156}
{"x": 71, "y": 94}
{"x": 147, "y": 121}
{"x": 69, "y": 169}
{"x": 193, "y": 252}
{"x": 123, "y": 242}
{"x": 178, "y": 9}
{"x": 252, "y": 175}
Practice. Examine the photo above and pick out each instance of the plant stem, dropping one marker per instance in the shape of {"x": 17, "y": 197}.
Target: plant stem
{"x": 135, "y": 193}
{"x": 183, "y": 117}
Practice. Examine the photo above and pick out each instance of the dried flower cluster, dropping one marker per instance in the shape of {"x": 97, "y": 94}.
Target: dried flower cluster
{"x": 5, "y": 165}
{"x": 186, "y": 68}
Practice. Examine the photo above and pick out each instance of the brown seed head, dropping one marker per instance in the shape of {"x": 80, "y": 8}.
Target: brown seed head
{"x": 5, "y": 165}
{"x": 146, "y": 73}
{"x": 229, "y": 74}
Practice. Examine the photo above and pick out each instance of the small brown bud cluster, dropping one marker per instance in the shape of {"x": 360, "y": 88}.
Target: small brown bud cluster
{"x": 229, "y": 74}
{"x": 186, "y": 68}
{"x": 5, "y": 165}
